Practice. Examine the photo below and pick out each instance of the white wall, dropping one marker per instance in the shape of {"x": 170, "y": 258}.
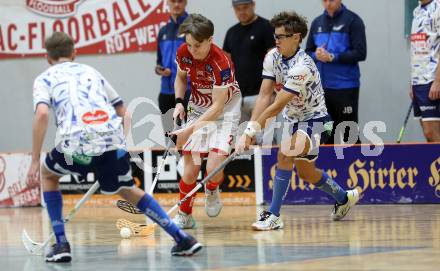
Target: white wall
{"x": 385, "y": 74}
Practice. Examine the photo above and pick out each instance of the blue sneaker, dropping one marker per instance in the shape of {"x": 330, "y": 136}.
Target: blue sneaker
{"x": 187, "y": 247}
{"x": 60, "y": 253}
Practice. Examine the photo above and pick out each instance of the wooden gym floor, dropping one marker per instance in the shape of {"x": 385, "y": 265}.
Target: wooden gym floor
{"x": 376, "y": 237}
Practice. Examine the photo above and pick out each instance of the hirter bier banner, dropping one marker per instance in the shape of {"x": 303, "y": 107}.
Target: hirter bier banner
{"x": 399, "y": 174}
{"x": 97, "y": 26}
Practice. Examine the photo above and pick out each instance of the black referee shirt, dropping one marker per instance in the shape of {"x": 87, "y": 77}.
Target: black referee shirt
{"x": 248, "y": 44}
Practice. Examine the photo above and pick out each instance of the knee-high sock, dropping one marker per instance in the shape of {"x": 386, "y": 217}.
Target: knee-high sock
{"x": 184, "y": 189}
{"x": 151, "y": 208}
{"x": 54, "y": 203}
{"x": 213, "y": 186}
{"x": 329, "y": 186}
{"x": 280, "y": 187}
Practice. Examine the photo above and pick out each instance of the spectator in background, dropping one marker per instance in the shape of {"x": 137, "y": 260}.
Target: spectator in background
{"x": 337, "y": 43}
{"x": 425, "y": 74}
{"x": 168, "y": 43}
{"x": 246, "y": 43}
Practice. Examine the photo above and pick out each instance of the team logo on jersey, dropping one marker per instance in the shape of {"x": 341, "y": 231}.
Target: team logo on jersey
{"x": 54, "y": 8}
{"x": 97, "y": 117}
{"x": 225, "y": 75}
{"x": 209, "y": 68}
{"x": 419, "y": 37}
{"x": 202, "y": 87}
{"x": 204, "y": 75}
{"x": 299, "y": 77}
{"x": 2, "y": 173}
{"x": 186, "y": 60}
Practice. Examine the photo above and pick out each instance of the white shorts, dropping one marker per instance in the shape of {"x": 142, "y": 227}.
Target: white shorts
{"x": 216, "y": 136}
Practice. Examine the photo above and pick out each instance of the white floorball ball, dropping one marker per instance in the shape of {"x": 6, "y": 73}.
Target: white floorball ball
{"x": 125, "y": 233}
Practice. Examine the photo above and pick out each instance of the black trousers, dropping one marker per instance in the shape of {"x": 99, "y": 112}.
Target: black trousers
{"x": 342, "y": 105}
{"x": 167, "y": 103}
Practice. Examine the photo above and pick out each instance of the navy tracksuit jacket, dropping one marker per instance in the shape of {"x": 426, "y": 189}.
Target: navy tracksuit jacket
{"x": 344, "y": 36}
{"x": 168, "y": 43}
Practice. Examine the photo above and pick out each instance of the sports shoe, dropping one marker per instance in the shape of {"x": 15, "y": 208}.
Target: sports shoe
{"x": 341, "y": 210}
{"x": 60, "y": 253}
{"x": 184, "y": 221}
{"x": 267, "y": 222}
{"x": 213, "y": 204}
{"x": 187, "y": 247}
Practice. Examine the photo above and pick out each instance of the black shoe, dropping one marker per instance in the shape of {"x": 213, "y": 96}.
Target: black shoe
{"x": 60, "y": 253}
{"x": 187, "y": 247}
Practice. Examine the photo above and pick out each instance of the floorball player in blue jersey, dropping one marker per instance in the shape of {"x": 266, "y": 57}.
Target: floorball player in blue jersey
{"x": 90, "y": 138}
{"x": 289, "y": 70}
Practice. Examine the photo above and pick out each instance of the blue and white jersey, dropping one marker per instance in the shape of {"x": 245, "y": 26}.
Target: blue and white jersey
{"x": 425, "y": 43}
{"x": 297, "y": 74}
{"x": 83, "y": 103}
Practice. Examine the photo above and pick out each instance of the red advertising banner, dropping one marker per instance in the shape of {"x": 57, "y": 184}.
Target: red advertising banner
{"x": 97, "y": 27}
{"x": 14, "y": 190}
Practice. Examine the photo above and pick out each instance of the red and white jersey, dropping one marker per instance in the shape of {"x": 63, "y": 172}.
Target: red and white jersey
{"x": 215, "y": 71}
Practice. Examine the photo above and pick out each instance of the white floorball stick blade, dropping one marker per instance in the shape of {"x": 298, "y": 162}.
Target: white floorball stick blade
{"x": 31, "y": 246}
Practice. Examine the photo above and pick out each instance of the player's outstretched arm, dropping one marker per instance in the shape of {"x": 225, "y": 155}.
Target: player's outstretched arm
{"x": 264, "y": 98}
{"x": 180, "y": 85}
{"x": 281, "y": 100}
{"x": 434, "y": 92}
{"x": 122, "y": 112}
{"x": 39, "y": 128}
{"x": 219, "y": 98}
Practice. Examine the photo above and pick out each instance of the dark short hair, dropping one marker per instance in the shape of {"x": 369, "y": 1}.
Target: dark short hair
{"x": 292, "y": 22}
{"x": 200, "y": 27}
{"x": 58, "y": 45}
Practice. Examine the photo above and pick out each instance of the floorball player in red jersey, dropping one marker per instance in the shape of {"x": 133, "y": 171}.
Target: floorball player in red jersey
{"x": 213, "y": 112}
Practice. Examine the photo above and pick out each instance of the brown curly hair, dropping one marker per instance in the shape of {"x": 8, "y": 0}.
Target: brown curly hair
{"x": 292, "y": 22}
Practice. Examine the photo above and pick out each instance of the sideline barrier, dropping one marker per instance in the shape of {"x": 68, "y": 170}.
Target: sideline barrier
{"x": 405, "y": 173}
{"x": 238, "y": 187}
{"x": 14, "y": 191}
{"x": 402, "y": 173}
